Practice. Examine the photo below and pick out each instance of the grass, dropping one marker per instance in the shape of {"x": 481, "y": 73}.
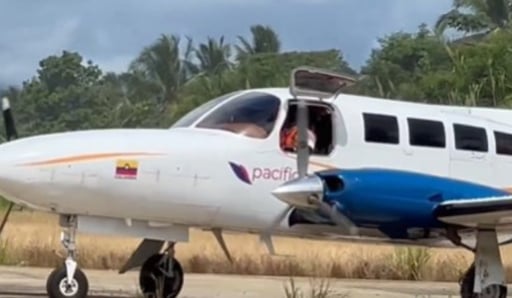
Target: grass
{"x": 32, "y": 239}
{"x": 319, "y": 288}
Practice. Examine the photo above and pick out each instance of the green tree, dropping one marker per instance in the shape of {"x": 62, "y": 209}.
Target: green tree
{"x": 256, "y": 71}
{"x": 63, "y": 96}
{"x": 273, "y": 69}
{"x": 163, "y": 82}
{"x": 264, "y": 40}
{"x": 476, "y": 16}
{"x": 420, "y": 67}
{"x": 213, "y": 56}
{"x": 403, "y": 66}
{"x": 481, "y": 73}
{"x": 130, "y": 98}
{"x": 164, "y": 65}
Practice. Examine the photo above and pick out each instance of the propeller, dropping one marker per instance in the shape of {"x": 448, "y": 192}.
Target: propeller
{"x": 302, "y": 154}
{"x": 302, "y": 168}
{"x": 302, "y": 148}
{"x": 10, "y": 133}
{"x": 307, "y": 191}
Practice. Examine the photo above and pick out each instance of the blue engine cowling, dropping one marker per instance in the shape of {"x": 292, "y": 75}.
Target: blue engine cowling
{"x": 395, "y": 201}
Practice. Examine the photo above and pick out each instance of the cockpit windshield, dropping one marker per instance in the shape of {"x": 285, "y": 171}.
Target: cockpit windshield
{"x": 251, "y": 114}
{"x": 199, "y": 111}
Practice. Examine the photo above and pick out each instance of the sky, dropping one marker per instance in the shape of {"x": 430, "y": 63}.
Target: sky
{"x": 111, "y": 33}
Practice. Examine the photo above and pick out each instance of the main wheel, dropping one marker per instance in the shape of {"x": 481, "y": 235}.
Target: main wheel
{"x": 57, "y": 285}
{"x": 468, "y": 281}
{"x": 152, "y": 273}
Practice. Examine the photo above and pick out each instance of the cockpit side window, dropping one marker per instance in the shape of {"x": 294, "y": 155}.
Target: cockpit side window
{"x": 252, "y": 114}
{"x": 199, "y": 111}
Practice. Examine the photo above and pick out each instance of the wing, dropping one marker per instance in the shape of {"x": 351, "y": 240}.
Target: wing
{"x": 495, "y": 211}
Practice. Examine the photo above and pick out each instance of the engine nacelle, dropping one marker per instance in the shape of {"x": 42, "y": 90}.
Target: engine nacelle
{"x": 386, "y": 199}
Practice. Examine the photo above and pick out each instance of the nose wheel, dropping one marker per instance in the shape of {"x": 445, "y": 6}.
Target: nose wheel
{"x": 58, "y": 285}
{"x": 68, "y": 281}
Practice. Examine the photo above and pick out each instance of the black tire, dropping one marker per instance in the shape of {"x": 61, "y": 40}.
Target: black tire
{"x": 58, "y": 275}
{"x": 150, "y": 269}
{"x": 468, "y": 281}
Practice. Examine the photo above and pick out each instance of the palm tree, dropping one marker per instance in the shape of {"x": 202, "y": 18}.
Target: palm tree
{"x": 163, "y": 64}
{"x": 478, "y": 17}
{"x": 213, "y": 56}
{"x": 264, "y": 40}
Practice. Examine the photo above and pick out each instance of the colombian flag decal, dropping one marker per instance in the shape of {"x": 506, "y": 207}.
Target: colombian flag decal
{"x": 126, "y": 169}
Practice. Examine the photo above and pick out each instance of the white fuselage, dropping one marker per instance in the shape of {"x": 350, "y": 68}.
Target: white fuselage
{"x": 184, "y": 174}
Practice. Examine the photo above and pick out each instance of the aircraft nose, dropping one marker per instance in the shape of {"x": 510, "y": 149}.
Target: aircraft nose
{"x": 15, "y": 184}
{"x": 299, "y": 192}
{"x": 15, "y": 178}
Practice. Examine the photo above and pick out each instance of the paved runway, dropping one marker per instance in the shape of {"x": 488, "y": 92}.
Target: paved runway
{"x": 28, "y": 282}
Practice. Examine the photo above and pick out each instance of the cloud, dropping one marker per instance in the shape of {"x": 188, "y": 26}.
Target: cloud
{"x": 24, "y": 47}
{"x": 112, "y": 33}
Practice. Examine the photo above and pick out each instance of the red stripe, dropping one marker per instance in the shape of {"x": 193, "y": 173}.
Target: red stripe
{"x": 124, "y": 171}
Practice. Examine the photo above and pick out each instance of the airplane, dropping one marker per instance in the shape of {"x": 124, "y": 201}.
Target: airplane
{"x": 379, "y": 171}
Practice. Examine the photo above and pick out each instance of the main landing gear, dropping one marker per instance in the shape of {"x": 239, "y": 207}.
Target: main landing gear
{"x": 486, "y": 275}
{"x": 161, "y": 275}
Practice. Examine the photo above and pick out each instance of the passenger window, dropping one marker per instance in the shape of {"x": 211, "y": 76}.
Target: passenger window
{"x": 503, "y": 143}
{"x": 426, "y": 133}
{"x": 470, "y": 138}
{"x": 380, "y": 129}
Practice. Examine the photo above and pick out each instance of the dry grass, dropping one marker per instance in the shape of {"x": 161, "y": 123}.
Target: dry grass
{"x": 318, "y": 288}
{"x": 32, "y": 239}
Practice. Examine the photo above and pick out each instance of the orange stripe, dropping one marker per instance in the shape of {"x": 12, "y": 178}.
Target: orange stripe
{"x": 87, "y": 157}
{"x": 315, "y": 163}
{"x": 323, "y": 165}
{"x": 508, "y": 189}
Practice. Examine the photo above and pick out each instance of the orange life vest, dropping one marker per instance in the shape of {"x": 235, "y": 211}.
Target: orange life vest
{"x": 290, "y": 139}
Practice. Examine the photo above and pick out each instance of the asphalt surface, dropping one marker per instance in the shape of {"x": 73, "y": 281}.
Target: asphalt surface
{"x": 30, "y": 282}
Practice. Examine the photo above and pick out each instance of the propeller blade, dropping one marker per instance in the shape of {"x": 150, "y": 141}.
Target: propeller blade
{"x": 302, "y": 159}
{"x": 265, "y": 237}
{"x": 10, "y": 133}
{"x": 302, "y": 150}
{"x": 279, "y": 218}
{"x": 6, "y": 216}
{"x": 338, "y": 218}
{"x": 10, "y": 128}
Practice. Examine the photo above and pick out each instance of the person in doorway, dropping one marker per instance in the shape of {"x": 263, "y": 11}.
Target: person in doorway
{"x": 290, "y": 139}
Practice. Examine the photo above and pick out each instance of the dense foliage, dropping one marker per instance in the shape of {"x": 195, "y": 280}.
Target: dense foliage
{"x": 173, "y": 75}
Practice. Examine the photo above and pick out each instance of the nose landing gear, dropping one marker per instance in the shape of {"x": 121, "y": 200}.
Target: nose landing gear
{"x": 161, "y": 275}
{"x": 68, "y": 280}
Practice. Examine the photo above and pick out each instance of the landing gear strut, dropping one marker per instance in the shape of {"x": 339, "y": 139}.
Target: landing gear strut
{"x": 486, "y": 275}
{"x": 161, "y": 275}
{"x": 68, "y": 280}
